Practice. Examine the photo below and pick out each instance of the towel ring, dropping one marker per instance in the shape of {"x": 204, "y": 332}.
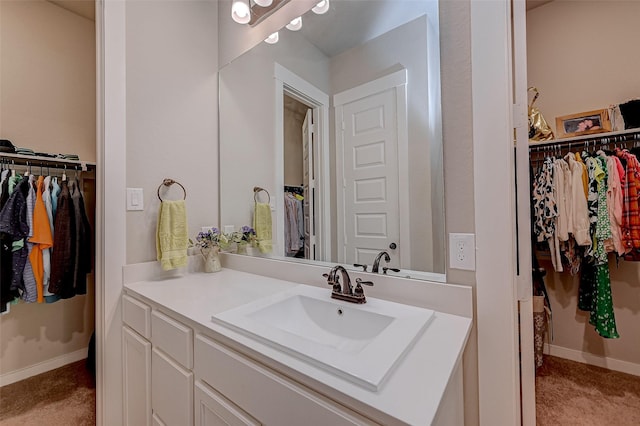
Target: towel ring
{"x": 256, "y": 190}
{"x": 169, "y": 182}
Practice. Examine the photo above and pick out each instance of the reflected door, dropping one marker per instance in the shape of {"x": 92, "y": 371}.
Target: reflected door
{"x": 370, "y": 178}
{"x": 309, "y": 182}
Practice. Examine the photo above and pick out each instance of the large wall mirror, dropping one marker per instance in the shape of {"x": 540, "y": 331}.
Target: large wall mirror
{"x": 340, "y": 121}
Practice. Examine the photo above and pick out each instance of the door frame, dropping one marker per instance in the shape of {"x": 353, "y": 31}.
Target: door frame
{"x": 110, "y": 232}
{"x": 287, "y": 82}
{"x": 398, "y": 81}
{"x": 495, "y": 213}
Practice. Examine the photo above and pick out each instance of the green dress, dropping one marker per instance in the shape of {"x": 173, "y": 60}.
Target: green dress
{"x": 595, "y": 287}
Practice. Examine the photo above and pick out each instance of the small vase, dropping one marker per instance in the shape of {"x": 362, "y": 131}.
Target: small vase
{"x": 211, "y": 259}
{"x": 242, "y": 247}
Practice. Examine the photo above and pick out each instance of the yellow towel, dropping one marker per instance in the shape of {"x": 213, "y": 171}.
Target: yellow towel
{"x": 172, "y": 237}
{"x": 262, "y": 225}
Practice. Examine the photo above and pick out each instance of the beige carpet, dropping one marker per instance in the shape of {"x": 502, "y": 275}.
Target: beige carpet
{"x": 570, "y": 393}
{"x": 64, "y": 396}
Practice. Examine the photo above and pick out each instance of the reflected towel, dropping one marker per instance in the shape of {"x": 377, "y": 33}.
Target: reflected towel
{"x": 172, "y": 236}
{"x": 262, "y": 225}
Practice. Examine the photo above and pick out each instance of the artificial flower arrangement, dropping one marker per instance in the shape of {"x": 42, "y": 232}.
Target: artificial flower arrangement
{"x": 209, "y": 239}
{"x": 210, "y": 242}
{"x": 243, "y": 238}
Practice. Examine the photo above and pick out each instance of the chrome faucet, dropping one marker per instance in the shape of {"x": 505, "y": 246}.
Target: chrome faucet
{"x": 376, "y": 262}
{"x": 346, "y": 291}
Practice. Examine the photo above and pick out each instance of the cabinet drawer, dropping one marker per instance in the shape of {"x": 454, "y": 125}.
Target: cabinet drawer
{"x": 136, "y": 315}
{"x": 173, "y": 338}
{"x": 263, "y": 393}
{"x": 213, "y": 409}
{"x": 172, "y": 396}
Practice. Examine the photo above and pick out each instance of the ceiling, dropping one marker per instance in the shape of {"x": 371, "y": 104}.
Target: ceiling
{"x": 84, "y": 8}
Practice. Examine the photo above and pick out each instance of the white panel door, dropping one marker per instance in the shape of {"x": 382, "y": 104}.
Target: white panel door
{"x": 137, "y": 378}
{"x": 370, "y": 187}
{"x": 309, "y": 182}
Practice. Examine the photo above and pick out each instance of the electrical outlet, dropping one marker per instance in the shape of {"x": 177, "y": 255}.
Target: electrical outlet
{"x": 462, "y": 251}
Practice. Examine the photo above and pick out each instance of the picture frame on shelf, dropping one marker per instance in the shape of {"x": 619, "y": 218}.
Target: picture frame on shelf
{"x": 583, "y": 123}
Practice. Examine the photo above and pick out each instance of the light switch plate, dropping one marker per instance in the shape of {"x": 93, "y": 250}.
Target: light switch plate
{"x": 135, "y": 199}
{"x": 462, "y": 251}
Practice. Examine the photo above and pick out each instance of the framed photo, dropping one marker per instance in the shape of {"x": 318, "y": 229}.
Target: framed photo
{"x": 584, "y": 123}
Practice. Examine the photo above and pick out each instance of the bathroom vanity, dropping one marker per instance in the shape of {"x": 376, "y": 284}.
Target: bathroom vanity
{"x": 184, "y": 366}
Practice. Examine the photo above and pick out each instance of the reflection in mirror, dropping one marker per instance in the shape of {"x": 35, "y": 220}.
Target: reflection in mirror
{"x": 340, "y": 121}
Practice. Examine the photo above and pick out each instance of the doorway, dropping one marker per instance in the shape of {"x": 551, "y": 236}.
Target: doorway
{"x": 307, "y": 162}
{"x": 299, "y": 179}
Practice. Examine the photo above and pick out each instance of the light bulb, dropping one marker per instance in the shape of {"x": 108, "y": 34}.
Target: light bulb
{"x": 263, "y": 3}
{"x": 240, "y": 11}
{"x": 321, "y": 7}
{"x": 295, "y": 24}
{"x": 272, "y": 39}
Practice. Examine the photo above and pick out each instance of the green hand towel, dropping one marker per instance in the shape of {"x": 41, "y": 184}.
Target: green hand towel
{"x": 262, "y": 225}
{"x": 172, "y": 237}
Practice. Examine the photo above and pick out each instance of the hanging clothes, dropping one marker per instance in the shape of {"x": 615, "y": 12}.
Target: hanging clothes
{"x": 631, "y": 208}
{"x": 41, "y": 239}
{"x": 82, "y": 251}
{"x": 588, "y": 226}
{"x": 294, "y": 224}
{"x": 14, "y": 224}
{"x": 62, "y": 258}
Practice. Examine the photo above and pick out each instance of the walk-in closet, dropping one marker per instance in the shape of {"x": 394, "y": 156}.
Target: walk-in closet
{"x": 48, "y": 200}
{"x": 580, "y": 59}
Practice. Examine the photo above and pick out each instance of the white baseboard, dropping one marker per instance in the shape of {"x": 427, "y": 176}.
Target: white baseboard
{"x": 587, "y": 358}
{"x": 42, "y": 367}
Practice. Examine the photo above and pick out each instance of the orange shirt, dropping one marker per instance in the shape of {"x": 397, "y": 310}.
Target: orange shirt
{"x": 42, "y": 239}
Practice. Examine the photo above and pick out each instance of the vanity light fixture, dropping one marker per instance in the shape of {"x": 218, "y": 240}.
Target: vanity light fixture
{"x": 240, "y": 11}
{"x": 321, "y": 8}
{"x": 263, "y": 3}
{"x": 272, "y": 39}
{"x": 295, "y": 24}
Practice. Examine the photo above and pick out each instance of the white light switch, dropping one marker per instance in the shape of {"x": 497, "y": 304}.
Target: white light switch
{"x": 135, "y": 199}
{"x": 462, "y": 251}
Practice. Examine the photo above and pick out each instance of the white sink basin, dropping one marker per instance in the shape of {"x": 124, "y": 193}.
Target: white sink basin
{"x": 361, "y": 343}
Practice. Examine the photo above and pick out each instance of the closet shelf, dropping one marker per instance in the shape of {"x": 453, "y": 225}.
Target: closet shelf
{"x": 602, "y": 138}
{"x": 33, "y": 160}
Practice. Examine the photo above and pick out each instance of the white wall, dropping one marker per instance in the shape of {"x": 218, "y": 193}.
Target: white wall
{"x": 47, "y": 102}
{"x": 172, "y": 108}
{"x": 581, "y": 57}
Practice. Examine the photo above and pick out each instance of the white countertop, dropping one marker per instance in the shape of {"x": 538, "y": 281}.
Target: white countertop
{"x": 414, "y": 390}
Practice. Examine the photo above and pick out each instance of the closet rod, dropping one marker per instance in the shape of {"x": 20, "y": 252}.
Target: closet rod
{"x": 623, "y": 136}
{"x": 58, "y": 163}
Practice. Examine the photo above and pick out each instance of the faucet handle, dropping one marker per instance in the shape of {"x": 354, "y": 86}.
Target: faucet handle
{"x": 363, "y": 266}
{"x": 359, "y": 281}
{"x": 335, "y": 284}
{"x": 385, "y": 269}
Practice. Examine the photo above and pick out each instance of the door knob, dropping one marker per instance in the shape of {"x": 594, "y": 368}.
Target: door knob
{"x": 392, "y": 246}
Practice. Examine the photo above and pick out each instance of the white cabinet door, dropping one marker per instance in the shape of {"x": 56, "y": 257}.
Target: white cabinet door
{"x": 137, "y": 378}
{"x": 172, "y": 398}
{"x": 213, "y": 409}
